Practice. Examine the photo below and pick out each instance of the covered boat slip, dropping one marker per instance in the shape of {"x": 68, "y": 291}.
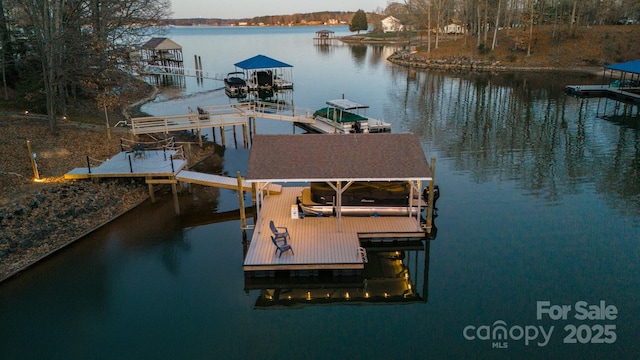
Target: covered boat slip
{"x": 625, "y": 87}
{"x": 329, "y": 242}
{"x": 263, "y": 72}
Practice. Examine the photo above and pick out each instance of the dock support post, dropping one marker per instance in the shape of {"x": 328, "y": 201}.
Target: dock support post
{"x": 425, "y": 275}
{"x": 235, "y": 137}
{"x": 245, "y": 139}
{"x": 152, "y": 194}
{"x": 199, "y": 138}
{"x": 430, "y": 201}
{"x": 176, "y": 204}
{"x": 222, "y": 139}
{"x": 243, "y": 215}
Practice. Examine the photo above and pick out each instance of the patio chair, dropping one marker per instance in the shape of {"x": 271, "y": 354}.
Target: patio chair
{"x": 280, "y": 233}
{"x": 282, "y": 247}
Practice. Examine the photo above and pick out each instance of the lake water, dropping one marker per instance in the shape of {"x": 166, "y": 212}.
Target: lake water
{"x": 537, "y": 231}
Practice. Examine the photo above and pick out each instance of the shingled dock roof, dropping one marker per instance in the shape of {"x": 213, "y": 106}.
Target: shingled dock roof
{"x": 161, "y": 43}
{"x": 332, "y": 157}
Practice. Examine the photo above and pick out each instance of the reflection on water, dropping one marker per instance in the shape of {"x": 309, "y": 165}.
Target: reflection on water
{"x": 524, "y": 129}
{"x": 389, "y": 276}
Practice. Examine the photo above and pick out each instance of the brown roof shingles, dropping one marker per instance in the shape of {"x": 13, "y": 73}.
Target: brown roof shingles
{"x": 324, "y": 157}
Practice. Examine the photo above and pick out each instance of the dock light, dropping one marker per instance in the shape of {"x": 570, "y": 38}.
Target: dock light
{"x": 289, "y": 297}
{"x": 26, "y": 112}
{"x": 366, "y": 295}
{"x": 386, "y": 295}
{"x": 328, "y": 295}
{"x": 308, "y": 295}
{"x": 346, "y": 295}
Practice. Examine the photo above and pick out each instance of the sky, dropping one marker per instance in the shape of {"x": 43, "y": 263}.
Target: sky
{"x": 237, "y": 9}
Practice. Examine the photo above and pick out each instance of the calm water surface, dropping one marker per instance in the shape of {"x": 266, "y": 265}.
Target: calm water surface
{"x": 540, "y": 201}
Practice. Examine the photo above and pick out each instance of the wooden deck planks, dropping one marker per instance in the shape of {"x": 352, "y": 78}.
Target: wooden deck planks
{"x": 219, "y": 181}
{"x": 125, "y": 164}
{"x": 215, "y": 116}
{"x": 316, "y": 241}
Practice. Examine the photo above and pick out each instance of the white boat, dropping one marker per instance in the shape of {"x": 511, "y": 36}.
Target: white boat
{"x": 346, "y": 116}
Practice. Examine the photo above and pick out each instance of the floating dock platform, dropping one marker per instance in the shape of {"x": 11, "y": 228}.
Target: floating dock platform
{"x": 625, "y": 94}
{"x": 317, "y": 242}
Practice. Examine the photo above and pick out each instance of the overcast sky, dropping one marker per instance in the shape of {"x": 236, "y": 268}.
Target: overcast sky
{"x": 236, "y": 9}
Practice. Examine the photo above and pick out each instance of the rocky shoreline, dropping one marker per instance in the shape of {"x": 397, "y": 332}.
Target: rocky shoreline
{"x": 465, "y": 63}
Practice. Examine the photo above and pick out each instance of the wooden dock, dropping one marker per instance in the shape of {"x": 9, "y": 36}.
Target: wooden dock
{"x": 625, "y": 94}
{"x": 219, "y": 116}
{"x": 225, "y": 182}
{"x": 317, "y": 242}
{"x": 142, "y": 163}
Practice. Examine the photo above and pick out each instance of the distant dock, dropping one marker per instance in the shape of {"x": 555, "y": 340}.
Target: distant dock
{"x": 624, "y": 84}
{"x": 625, "y": 94}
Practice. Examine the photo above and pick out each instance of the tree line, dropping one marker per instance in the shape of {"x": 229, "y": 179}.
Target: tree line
{"x": 483, "y": 18}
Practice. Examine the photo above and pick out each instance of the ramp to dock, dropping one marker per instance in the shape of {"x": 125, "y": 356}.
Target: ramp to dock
{"x": 226, "y": 182}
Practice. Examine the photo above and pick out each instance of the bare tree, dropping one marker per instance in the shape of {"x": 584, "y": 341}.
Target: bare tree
{"x": 77, "y": 42}
{"x": 531, "y": 22}
{"x": 495, "y": 28}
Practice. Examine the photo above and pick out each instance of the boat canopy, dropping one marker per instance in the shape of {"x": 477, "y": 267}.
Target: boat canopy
{"x": 629, "y": 67}
{"x": 344, "y": 104}
{"x": 260, "y": 62}
{"x": 341, "y": 117}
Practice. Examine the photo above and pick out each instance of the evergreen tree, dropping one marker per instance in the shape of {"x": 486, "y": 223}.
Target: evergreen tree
{"x": 359, "y": 22}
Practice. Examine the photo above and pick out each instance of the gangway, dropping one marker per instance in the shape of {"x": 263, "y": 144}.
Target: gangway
{"x": 179, "y": 71}
{"x": 226, "y": 182}
{"x": 214, "y": 116}
{"x": 219, "y": 116}
{"x": 281, "y": 111}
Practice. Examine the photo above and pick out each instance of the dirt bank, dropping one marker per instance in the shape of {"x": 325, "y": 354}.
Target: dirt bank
{"x": 38, "y": 218}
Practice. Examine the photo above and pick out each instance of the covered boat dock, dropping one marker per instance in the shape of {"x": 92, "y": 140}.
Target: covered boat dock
{"x": 622, "y": 83}
{"x": 265, "y": 73}
{"x": 330, "y": 242}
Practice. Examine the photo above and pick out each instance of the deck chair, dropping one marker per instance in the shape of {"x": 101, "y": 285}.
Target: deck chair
{"x": 280, "y": 233}
{"x": 203, "y": 114}
{"x": 281, "y": 247}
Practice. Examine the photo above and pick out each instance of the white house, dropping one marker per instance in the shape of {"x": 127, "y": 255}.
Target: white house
{"x": 391, "y": 24}
{"x": 454, "y": 29}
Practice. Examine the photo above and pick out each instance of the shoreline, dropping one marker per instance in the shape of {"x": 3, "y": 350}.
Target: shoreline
{"x": 458, "y": 64}
{"x": 34, "y": 261}
{"x": 39, "y": 219}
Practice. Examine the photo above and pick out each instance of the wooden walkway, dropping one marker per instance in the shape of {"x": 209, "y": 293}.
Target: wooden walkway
{"x": 217, "y": 116}
{"x": 317, "y": 242}
{"x": 180, "y": 71}
{"x": 148, "y": 163}
{"x": 155, "y": 164}
{"x": 225, "y": 182}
